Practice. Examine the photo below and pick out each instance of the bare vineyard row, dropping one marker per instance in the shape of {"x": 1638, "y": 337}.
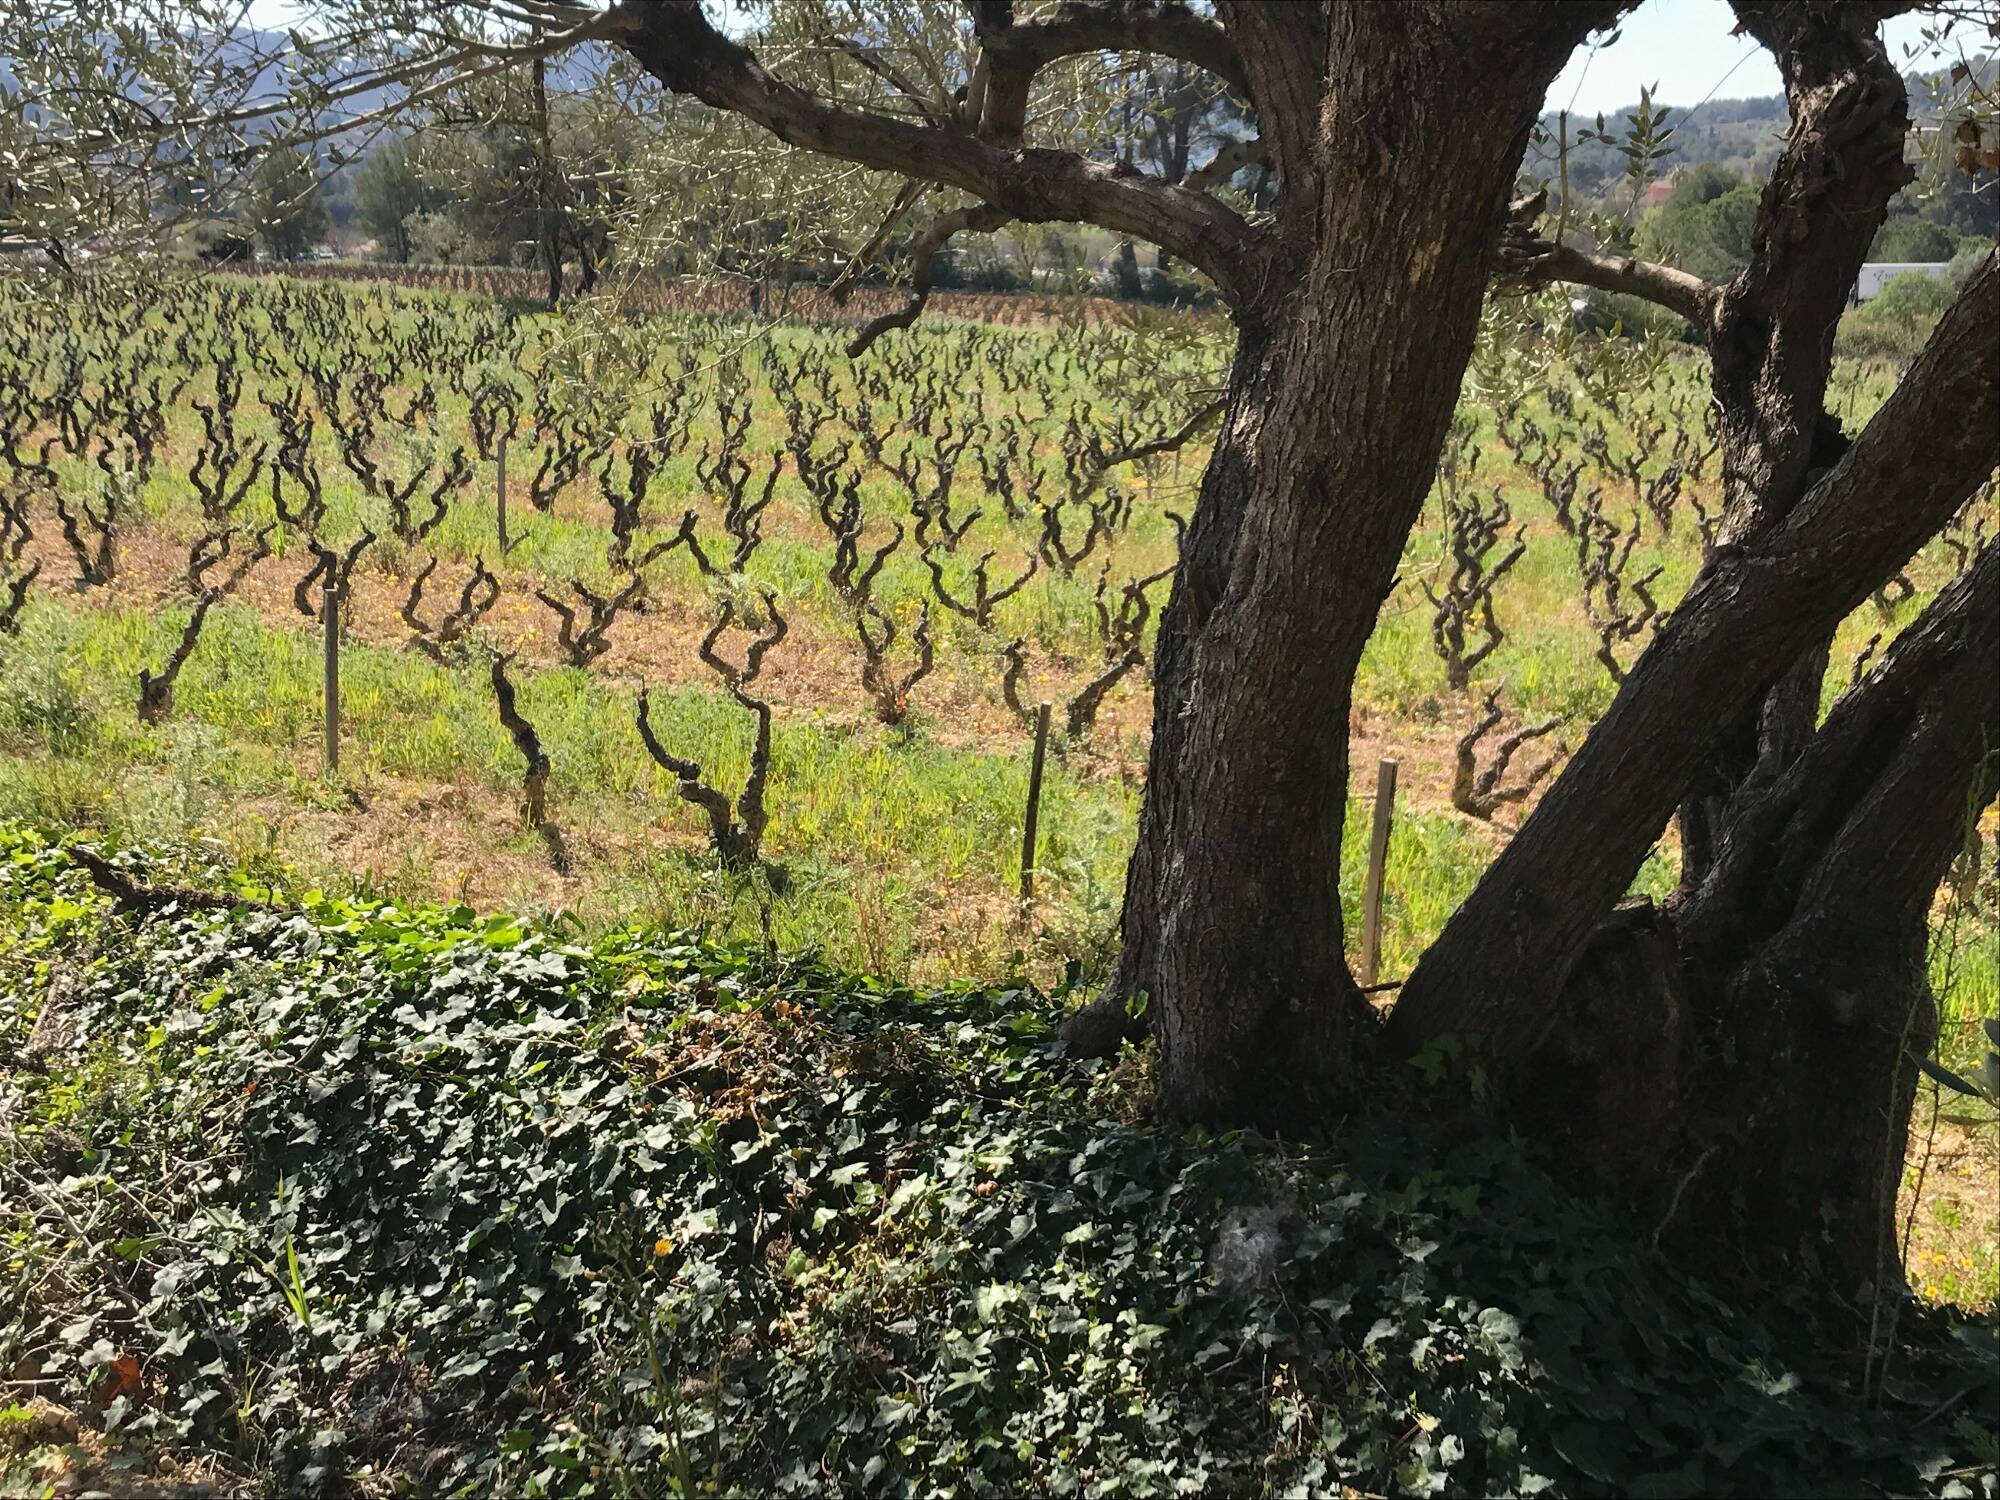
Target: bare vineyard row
{"x": 333, "y": 420}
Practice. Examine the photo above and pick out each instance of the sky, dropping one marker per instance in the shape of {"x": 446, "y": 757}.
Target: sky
{"x": 1684, "y": 46}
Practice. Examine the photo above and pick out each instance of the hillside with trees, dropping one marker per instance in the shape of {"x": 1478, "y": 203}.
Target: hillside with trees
{"x": 1716, "y": 156}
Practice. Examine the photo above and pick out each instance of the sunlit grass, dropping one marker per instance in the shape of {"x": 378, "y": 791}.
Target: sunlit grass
{"x": 898, "y": 851}
{"x": 889, "y": 818}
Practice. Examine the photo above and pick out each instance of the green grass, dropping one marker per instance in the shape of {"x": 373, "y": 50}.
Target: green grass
{"x": 926, "y": 821}
{"x": 872, "y": 828}
{"x": 898, "y": 850}
{"x": 889, "y": 822}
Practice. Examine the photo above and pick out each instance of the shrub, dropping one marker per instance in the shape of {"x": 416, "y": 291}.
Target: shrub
{"x": 1633, "y": 317}
{"x": 1969, "y": 257}
{"x": 1912, "y": 239}
{"x": 959, "y": 270}
{"x": 1896, "y": 322}
{"x": 1172, "y": 289}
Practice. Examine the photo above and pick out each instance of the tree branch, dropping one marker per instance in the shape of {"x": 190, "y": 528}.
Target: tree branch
{"x": 723, "y": 836}
{"x": 1530, "y": 260}
{"x": 673, "y": 40}
{"x": 535, "y": 776}
{"x": 1165, "y": 27}
{"x": 1230, "y": 158}
{"x": 1177, "y": 439}
{"x": 1827, "y": 195}
{"x": 1909, "y": 736}
{"x": 129, "y": 894}
{"x": 441, "y": 73}
{"x": 887, "y": 71}
{"x": 857, "y": 265}
{"x": 923, "y": 251}
{"x": 1012, "y": 52}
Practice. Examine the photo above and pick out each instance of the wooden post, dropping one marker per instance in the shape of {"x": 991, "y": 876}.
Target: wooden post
{"x": 330, "y": 612}
{"x": 1378, "y": 860}
{"x": 1034, "y": 803}
{"x": 501, "y": 494}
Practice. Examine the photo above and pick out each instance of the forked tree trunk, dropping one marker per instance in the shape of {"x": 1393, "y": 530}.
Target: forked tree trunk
{"x": 1749, "y": 614}
{"x": 1808, "y": 942}
{"x": 1741, "y": 1064}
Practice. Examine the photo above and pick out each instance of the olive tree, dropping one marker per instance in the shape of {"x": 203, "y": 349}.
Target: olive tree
{"x": 1741, "y": 1061}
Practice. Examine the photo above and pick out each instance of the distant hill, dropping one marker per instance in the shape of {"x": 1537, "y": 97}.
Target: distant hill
{"x": 1743, "y": 135}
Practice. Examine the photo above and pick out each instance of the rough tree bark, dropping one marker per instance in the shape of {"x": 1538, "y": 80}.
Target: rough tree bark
{"x": 1671, "y": 1051}
{"x": 1740, "y": 1065}
{"x": 1771, "y": 345}
{"x": 1345, "y": 378}
{"x": 1394, "y": 132}
{"x": 1666, "y": 1051}
{"x": 1740, "y": 1061}
{"x": 1804, "y": 947}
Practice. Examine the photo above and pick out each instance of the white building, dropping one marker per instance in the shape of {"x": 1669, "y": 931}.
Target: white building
{"x": 1876, "y": 272}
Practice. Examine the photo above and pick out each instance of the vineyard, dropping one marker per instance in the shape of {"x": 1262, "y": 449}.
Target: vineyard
{"x": 1097, "y": 749}
{"x": 763, "y": 649}
{"x": 651, "y": 293}
{"x": 571, "y": 706}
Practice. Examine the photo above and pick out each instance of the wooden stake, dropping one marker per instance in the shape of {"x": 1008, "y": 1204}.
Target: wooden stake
{"x": 1378, "y": 860}
{"x": 1034, "y": 803}
{"x": 330, "y": 612}
{"x": 501, "y": 493}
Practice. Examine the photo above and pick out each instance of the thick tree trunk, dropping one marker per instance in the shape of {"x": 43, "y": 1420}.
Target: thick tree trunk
{"x": 1343, "y": 386}
{"x": 1741, "y": 1063}
{"x": 1231, "y": 927}
{"x": 1810, "y": 938}
{"x": 1771, "y": 348}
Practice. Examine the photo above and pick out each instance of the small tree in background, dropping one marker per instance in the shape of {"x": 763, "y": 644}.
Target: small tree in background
{"x": 1913, "y": 240}
{"x": 389, "y": 193}
{"x": 288, "y": 216}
